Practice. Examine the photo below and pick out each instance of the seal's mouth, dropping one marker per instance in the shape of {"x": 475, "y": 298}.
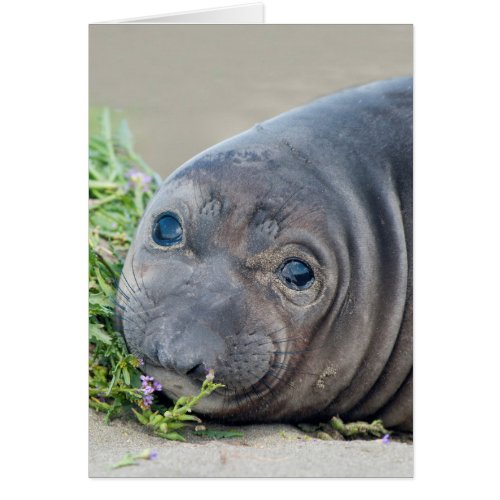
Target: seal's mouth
{"x": 224, "y": 402}
{"x": 176, "y": 386}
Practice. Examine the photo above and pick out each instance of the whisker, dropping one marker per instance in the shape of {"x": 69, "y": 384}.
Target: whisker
{"x": 295, "y": 219}
{"x": 131, "y": 320}
{"x": 266, "y": 334}
{"x": 123, "y": 308}
{"x": 256, "y": 392}
{"x": 287, "y": 200}
{"x": 262, "y": 381}
{"x": 238, "y": 398}
{"x": 128, "y": 308}
{"x": 142, "y": 280}
{"x": 285, "y": 366}
{"x": 124, "y": 295}
{"x": 280, "y": 341}
{"x": 246, "y": 395}
{"x": 133, "y": 273}
{"x": 287, "y": 352}
{"x": 146, "y": 311}
{"x": 132, "y": 291}
{"x": 270, "y": 372}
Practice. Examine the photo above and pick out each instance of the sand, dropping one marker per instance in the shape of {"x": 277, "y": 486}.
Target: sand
{"x": 276, "y": 450}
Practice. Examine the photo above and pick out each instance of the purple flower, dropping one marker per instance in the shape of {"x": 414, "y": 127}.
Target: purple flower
{"x": 147, "y": 455}
{"x": 148, "y": 389}
{"x": 148, "y": 386}
{"x": 147, "y": 401}
{"x": 138, "y": 179}
{"x": 386, "y": 439}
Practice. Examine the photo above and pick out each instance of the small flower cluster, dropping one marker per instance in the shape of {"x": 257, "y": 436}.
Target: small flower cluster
{"x": 148, "y": 386}
{"x": 138, "y": 179}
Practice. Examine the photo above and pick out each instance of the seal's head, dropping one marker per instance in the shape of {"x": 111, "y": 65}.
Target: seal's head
{"x": 279, "y": 259}
{"x": 230, "y": 270}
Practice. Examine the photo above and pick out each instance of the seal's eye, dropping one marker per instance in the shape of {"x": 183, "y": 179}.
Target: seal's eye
{"x": 296, "y": 274}
{"x": 167, "y": 230}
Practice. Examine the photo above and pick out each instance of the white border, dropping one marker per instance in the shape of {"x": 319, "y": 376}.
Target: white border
{"x": 456, "y": 240}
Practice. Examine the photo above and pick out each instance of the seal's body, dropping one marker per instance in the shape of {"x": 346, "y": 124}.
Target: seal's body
{"x": 282, "y": 259}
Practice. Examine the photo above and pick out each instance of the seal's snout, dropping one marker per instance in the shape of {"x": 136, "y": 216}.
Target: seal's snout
{"x": 191, "y": 353}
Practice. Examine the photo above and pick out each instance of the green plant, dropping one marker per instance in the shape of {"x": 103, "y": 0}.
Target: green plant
{"x": 356, "y": 430}
{"x": 167, "y": 423}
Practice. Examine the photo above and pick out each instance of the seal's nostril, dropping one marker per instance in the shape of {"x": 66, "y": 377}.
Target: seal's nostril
{"x": 196, "y": 371}
{"x": 191, "y": 371}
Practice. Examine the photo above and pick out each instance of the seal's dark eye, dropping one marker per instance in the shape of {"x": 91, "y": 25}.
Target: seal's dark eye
{"x": 167, "y": 230}
{"x": 296, "y": 274}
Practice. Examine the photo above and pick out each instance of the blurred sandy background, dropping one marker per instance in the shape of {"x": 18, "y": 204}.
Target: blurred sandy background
{"x": 184, "y": 88}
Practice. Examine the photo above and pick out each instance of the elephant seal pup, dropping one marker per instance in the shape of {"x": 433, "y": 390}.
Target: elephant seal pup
{"x": 281, "y": 258}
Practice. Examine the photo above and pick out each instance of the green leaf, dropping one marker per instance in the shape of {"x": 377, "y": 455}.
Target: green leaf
{"x": 127, "y": 460}
{"x": 135, "y": 379}
{"x": 219, "y": 434}
{"x": 156, "y": 419}
{"x": 192, "y": 418}
{"x": 176, "y": 425}
{"x": 96, "y": 332}
{"x": 126, "y": 375}
{"x": 142, "y": 419}
{"x": 98, "y": 299}
{"x": 104, "y": 286}
{"x": 175, "y": 436}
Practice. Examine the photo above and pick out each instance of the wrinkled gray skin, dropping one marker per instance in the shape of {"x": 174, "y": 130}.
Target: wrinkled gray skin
{"x": 329, "y": 183}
